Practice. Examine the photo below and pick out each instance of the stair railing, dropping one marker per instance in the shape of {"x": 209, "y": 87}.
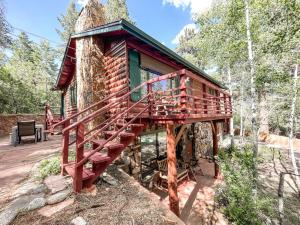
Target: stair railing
{"x": 90, "y": 107}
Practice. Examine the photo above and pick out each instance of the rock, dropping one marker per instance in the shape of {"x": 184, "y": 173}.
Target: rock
{"x": 55, "y": 183}
{"x": 78, "y": 221}
{"x": 49, "y": 210}
{"x": 36, "y": 204}
{"x": 15, "y": 207}
{"x": 109, "y": 179}
{"x": 58, "y": 197}
{"x": 30, "y": 188}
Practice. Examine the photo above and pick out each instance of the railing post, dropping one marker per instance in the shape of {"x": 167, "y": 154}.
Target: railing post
{"x": 183, "y": 93}
{"x": 65, "y": 147}
{"x": 204, "y": 97}
{"x": 225, "y": 104}
{"x": 230, "y": 106}
{"x": 150, "y": 98}
{"x": 77, "y": 181}
{"x": 217, "y": 102}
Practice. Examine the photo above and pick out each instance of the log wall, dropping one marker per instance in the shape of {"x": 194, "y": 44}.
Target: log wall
{"x": 116, "y": 73}
{"x": 68, "y": 108}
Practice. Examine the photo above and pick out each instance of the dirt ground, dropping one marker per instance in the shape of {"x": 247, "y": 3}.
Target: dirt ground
{"x": 273, "y": 162}
{"x": 125, "y": 203}
{"x": 17, "y": 162}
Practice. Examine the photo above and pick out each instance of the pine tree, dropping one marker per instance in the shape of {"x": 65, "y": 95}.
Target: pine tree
{"x": 68, "y": 22}
{"x": 116, "y": 10}
{"x": 4, "y": 29}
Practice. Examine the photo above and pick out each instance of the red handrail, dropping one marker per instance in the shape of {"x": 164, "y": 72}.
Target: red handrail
{"x": 90, "y": 107}
{"x": 153, "y": 80}
{"x": 113, "y": 120}
{"x": 85, "y": 159}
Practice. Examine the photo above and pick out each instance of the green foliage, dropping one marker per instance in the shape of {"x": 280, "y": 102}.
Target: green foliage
{"x": 116, "y": 10}
{"x": 27, "y": 77}
{"x": 220, "y": 44}
{"x": 5, "y": 39}
{"x": 68, "y": 22}
{"x": 49, "y": 167}
{"x": 240, "y": 205}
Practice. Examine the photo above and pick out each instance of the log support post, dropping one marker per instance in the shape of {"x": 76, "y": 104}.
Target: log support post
{"x": 77, "y": 181}
{"x": 172, "y": 171}
{"x": 215, "y": 148}
{"x": 65, "y": 148}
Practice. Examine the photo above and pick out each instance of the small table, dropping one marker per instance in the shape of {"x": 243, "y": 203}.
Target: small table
{"x": 40, "y": 132}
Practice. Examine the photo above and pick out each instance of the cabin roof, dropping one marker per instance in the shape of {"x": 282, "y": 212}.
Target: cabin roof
{"x": 68, "y": 63}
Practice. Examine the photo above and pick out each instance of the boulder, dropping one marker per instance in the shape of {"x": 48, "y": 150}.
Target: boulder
{"x": 20, "y": 204}
{"x": 79, "y": 221}
{"x": 36, "y": 204}
{"x": 30, "y": 188}
{"x": 55, "y": 183}
{"x": 58, "y": 197}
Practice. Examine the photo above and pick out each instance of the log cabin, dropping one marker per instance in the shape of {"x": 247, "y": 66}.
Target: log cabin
{"x": 138, "y": 82}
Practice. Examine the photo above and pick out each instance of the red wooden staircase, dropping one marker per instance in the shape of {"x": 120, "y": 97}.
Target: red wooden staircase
{"x": 98, "y": 144}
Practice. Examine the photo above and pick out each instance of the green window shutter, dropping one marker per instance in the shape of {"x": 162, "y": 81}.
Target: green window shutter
{"x": 177, "y": 84}
{"x": 135, "y": 74}
{"x": 75, "y": 94}
{"x": 62, "y": 106}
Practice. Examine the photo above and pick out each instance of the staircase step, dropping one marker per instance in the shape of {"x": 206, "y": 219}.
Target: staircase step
{"x": 70, "y": 168}
{"x": 97, "y": 157}
{"x": 131, "y": 125}
{"x": 121, "y": 134}
{"x": 110, "y": 145}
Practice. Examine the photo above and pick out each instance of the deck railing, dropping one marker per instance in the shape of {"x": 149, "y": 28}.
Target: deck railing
{"x": 191, "y": 98}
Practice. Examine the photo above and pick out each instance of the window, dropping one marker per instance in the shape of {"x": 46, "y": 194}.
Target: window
{"x": 73, "y": 95}
{"x": 135, "y": 74}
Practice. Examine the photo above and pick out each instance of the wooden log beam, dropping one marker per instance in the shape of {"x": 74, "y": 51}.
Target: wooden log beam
{"x": 65, "y": 148}
{"x": 172, "y": 171}
{"x": 215, "y": 148}
{"x": 179, "y": 135}
{"x": 77, "y": 180}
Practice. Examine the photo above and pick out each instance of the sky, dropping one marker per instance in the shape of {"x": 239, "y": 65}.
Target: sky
{"x": 162, "y": 19}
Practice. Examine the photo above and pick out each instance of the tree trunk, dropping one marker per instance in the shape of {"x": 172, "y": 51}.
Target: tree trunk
{"x": 89, "y": 57}
{"x": 242, "y": 109}
{"x": 291, "y": 125}
{"x": 263, "y": 113}
{"x": 280, "y": 198}
{"x": 231, "y": 119}
{"x": 253, "y": 88}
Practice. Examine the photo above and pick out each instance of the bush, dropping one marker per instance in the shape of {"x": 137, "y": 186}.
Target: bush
{"x": 49, "y": 167}
{"x": 236, "y": 196}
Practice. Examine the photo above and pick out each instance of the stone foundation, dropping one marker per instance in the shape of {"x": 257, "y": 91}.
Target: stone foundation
{"x": 131, "y": 158}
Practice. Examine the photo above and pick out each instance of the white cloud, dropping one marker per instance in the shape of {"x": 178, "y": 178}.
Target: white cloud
{"x": 82, "y": 2}
{"x": 195, "y": 6}
{"x": 175, "y": 41}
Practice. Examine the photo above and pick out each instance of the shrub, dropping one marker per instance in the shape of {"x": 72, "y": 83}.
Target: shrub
{"x": 236, "y": 196}
{"x": 49, "y": 167}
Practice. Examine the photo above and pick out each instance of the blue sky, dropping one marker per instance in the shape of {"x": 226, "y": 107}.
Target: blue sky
{"x": 162, "y": 19}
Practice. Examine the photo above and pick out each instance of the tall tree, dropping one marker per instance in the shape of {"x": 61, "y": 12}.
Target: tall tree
{"x": 32, "y": 67}
{"x": 68, "y": 22}
{"x": 4, "y": 28}
{"x": 291, "y": 126}
{"x": 116, "y": 10}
